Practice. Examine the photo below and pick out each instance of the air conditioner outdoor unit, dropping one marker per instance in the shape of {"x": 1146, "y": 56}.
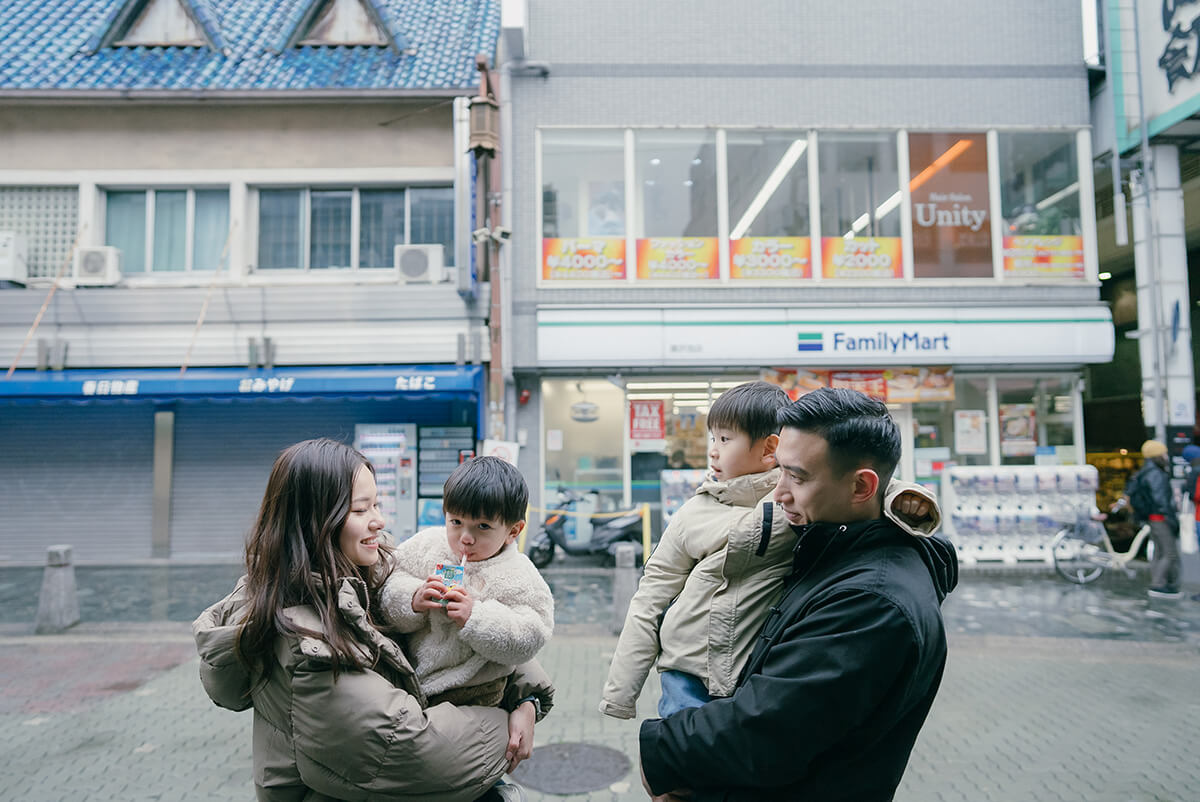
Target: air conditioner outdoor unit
{"x": 420, "y": 263}
{"x": 14, "y": 258}
{"x": 97, "y": 267}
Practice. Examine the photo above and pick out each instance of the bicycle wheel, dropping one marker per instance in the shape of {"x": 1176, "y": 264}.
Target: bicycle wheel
{"x": 1075, "y": 559}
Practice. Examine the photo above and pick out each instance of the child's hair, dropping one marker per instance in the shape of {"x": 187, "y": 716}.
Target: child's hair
{"x": 293, "y": 553}
{"x": 486, "y": 487}
{"x": 749, "y": 408}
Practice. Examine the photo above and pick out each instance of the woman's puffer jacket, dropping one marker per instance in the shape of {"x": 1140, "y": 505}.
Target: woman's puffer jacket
{"x": 364, "y": 736}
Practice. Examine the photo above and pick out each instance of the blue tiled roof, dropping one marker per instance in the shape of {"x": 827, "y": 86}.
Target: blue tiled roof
{"x": 53, "y": 45}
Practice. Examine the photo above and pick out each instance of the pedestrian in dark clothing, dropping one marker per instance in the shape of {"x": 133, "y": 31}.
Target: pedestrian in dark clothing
{"x": 850, "y": 658}
{"x": 1149, "y": 493}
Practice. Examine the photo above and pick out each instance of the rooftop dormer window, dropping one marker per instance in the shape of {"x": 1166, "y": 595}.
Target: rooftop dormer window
{"x": 161, "y": 23}
{"x": 342, "y": 22}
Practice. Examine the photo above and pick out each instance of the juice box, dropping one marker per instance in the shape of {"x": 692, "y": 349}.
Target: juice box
{"x": 452, "y": 576}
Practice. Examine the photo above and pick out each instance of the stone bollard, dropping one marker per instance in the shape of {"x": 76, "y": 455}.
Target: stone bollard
{"x": 58, "y": 606}
{"x": 625, "y": 582}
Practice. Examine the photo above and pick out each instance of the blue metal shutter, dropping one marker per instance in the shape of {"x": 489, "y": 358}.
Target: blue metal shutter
{"x": 80, "y": 474}
{"x": 223, "y": 455}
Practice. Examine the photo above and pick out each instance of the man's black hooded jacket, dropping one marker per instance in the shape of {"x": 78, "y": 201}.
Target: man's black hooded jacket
{"x": 838, "y": 685}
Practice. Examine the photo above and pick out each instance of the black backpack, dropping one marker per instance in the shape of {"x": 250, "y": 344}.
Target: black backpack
{"x": 1139, "y": 496}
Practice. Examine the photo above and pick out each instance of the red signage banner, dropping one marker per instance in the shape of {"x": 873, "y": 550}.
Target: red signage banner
{"x": 647, "y": 419}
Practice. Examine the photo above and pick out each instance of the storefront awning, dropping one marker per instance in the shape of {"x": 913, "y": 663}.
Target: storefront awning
{"x": 401, "y": 382}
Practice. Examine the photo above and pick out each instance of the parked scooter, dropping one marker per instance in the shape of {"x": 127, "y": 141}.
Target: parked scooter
{"x": 606, "y": 532}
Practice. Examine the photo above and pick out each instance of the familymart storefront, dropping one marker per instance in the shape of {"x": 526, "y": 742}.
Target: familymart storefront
{"x": 969, "y": 386}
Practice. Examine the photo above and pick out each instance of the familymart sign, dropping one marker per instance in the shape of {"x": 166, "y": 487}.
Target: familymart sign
{"x": 823, "y": 337}
{"x": 881, "y": 342}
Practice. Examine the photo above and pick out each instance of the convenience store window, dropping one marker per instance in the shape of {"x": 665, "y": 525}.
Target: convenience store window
{"x": 1037, "y": 420}
{"x": 583, "y": 205}
{"x": 951, "y": 217}
{"x": 584, "y": 437}
{"x": 860, "y": 206}
{"x": 1039, "y": 204}
{"x": 675, "y": 192}
{"x": 953, "y": 432}
{"x": 768, "y": 205}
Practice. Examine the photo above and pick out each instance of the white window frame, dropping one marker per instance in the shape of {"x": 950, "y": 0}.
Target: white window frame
{"x": 189, "y": 230}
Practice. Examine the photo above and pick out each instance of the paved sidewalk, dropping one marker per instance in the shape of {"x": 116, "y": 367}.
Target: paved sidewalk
{"x": 1017, "y": 719}
{"x": 1051, "y": 693}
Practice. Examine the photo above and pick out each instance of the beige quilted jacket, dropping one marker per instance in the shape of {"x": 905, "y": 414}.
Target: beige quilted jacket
{"x": 714, "y": 574}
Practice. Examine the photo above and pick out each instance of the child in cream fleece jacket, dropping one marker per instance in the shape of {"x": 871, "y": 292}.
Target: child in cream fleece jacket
{"x": 466, "y": 637}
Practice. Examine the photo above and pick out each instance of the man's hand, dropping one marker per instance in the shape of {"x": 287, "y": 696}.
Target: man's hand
{"x": 458, "y": 605}
{"x": 429, "y": 596}
{"x": 912, "y": 507}
{"x": 520, "y": 734}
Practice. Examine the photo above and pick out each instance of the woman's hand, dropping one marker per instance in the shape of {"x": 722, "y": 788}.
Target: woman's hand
{"x": 520, "y": 734}
{"x": 429, "y": 596}
{"x": 458, "y": 605}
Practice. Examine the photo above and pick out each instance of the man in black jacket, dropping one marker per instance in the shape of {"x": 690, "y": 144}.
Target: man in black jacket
{"x": 849, "y": 660}
{"x": 1153, "y": 501}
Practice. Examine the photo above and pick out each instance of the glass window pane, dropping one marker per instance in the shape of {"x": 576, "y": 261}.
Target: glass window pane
{"x": 330, "y": 229}
{"x": 432, "y": 218}
{"x": 584, "y": 438}
{"x": 676, "y": 175}
{"x": 860, "y": 206}
{"x": 1039, "y": 198}
{"x": 212, "y": 229}
{"x": 768, "y": 204}
{"x": 381, "y": 227}
{"x": 676, "y": 186}
{"x": 125, "y": 228}
{"x": 1037, "y": 421}
{"x": 952, "y": 229}
{"x": 170, "y": 231}
{"x": 583, "y": 205}
{"x": 971, "y": 426}
{"x": 583, "y": 190}
{"x": 768, "y": 183}
{"x": 279, "y": 228}
{"x": 860, "y": 183}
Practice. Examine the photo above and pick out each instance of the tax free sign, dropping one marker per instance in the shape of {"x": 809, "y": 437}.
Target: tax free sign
{"x": 833, "y": 337}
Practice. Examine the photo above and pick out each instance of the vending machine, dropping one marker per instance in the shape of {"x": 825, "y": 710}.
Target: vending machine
{"x": 442, "y": 449}
{"x": 392, "y": 449}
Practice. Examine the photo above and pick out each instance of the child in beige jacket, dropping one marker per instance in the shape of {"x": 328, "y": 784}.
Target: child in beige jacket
{"x": 719, "y": 565}
{"x": 467, "y": 634}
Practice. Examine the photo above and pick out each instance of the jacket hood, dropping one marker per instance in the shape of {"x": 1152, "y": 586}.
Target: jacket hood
{"x": 741, "y": 491}
{"x": 940, "y": 560}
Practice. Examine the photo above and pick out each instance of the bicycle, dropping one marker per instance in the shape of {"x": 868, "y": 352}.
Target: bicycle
{"x": 1082, "y": 549}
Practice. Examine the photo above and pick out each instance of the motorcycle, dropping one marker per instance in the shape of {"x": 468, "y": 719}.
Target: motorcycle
{"x": 559, "y": 527}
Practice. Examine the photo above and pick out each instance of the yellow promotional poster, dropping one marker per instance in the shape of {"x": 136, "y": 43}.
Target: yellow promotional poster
{"x": 1043, "y": 257}
{"x": 677, "y": 258}
{"x": 583, "y": 258}
{"x": 862, "y": 257}
{"x": 770, "y": 257}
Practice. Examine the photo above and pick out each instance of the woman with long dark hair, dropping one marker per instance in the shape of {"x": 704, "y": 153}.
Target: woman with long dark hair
{"x": 338, "y": 713}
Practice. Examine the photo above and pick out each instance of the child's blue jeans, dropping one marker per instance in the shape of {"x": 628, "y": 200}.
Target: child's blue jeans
{"x": 680, "y": 691}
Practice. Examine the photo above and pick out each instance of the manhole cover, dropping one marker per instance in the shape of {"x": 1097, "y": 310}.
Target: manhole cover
{"x": 572, "y": 768}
